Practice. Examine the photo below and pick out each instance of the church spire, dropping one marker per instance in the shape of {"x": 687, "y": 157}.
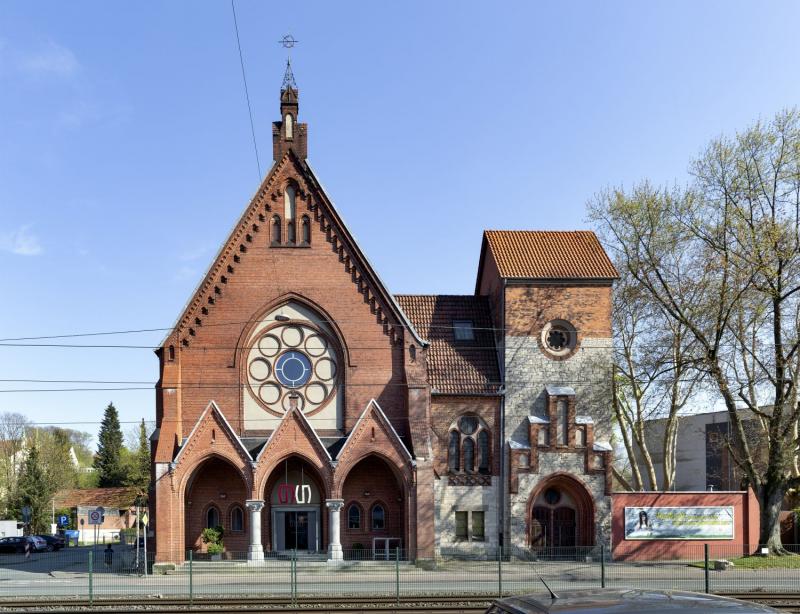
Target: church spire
{"x": 288, "y": 133}
{"x": 288, "y": 77}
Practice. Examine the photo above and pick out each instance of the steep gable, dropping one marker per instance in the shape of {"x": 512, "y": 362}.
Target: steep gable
{"x": 251, "y": 228}
{"x": 296, "y": 434}
{"x": 373, "y": 431}
{"x": 213, "y": 432}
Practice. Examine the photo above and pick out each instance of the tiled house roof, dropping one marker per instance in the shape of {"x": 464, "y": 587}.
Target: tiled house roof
{"x": 545, "y": 254}
{"x": 455, "y": 367}
{"x": 122, "y": 497}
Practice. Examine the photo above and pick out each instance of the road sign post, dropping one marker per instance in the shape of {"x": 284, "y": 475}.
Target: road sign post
{"x": 145, "y": 520}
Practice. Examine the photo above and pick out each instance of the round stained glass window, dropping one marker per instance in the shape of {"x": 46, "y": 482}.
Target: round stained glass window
{"x": 293, "y": 369}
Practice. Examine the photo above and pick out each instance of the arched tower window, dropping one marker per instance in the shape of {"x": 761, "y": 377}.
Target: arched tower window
{"x": 290, "y": 211}
{"x": 289, "y": 123}
{"x": 305, "y": 236}
{"x": 276, "y": 230}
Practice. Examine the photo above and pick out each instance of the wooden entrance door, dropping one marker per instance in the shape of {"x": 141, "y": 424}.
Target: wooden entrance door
{"x": 553, "y": 527}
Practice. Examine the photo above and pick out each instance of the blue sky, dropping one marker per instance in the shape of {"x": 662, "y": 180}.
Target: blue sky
{"x": 126, "y": 155}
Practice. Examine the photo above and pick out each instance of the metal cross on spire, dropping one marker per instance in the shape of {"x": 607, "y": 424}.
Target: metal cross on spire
{"x": 287, "y": 42}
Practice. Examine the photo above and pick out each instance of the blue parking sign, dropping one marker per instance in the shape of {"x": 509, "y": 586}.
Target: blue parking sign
{"x": 63, "y": 520}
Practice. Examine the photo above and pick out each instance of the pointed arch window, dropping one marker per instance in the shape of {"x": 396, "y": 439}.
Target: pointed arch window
{"x": 483, "y": 451}
{"x": 237, "y": 519}
{"x": 453, "y": 449}
{"x": 469, "y": 447}
{"x": 289, "y": 212}
{"x": 275, "y": 231}
{"x": 378, "y": 517}
{"x": 212, "y": 517}
{"x": 354, "y": 517}
{"x": 305, "y": 235}
{"x": 469, "y": 455}
{"x": 289, "y": 123}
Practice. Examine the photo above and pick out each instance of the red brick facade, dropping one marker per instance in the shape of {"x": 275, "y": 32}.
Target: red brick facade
{"x": 396, "y": 384}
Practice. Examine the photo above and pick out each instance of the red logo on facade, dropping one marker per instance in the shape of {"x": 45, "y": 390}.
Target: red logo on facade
{"x": 286, "y": 494}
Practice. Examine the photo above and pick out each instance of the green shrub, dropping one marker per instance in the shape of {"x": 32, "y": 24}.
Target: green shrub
{"x": 215, "y": 548}
{"x": 212, "y": 536}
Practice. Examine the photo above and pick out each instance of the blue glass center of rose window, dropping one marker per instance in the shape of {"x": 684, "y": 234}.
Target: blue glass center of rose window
{"x": 293, "y": 369}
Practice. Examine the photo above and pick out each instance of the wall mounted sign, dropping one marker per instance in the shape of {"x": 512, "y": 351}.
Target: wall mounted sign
{"x": 649, "y": 523}
{"x": 291, "y": 493}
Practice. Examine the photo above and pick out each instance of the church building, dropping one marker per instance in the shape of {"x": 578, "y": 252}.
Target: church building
{"x": 303, "y": 406}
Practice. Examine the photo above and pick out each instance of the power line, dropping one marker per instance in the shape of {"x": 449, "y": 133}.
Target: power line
{"x": 11, "y": 341}
{"x": 246, "y": 92}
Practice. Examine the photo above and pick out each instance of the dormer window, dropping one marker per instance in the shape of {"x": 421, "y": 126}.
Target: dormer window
{"x": 289, "y": 126}
{"x": 463, "y": 330}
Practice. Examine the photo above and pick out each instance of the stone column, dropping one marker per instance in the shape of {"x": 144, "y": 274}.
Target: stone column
{"x": 255, "y": 552}
{"x": 334, "y": 544}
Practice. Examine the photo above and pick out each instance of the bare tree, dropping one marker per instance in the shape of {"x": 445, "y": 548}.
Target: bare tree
{"x": 654, "y": 379}
{"x": 722, "y": 258}
{"x": 14, "y": 428}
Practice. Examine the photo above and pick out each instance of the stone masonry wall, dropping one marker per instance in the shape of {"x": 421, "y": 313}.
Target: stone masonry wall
{"x": 450, "y": 499}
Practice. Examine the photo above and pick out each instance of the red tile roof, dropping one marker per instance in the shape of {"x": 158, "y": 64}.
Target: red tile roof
{"x": 455, "y": 367}
{"x": 546, "y": 254}
{"x": 122, "y": 497}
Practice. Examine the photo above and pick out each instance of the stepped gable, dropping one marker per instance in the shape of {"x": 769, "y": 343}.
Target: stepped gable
{"x": 456, "y": 367}
{"x": 547, "y": 254}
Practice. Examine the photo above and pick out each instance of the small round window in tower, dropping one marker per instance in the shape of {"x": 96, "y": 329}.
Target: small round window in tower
{"x": 552, "y": 496}
{"x": 559, "y": 338}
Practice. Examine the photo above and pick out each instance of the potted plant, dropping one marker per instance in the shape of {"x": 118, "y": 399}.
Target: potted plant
{"x": 212, "y": 537}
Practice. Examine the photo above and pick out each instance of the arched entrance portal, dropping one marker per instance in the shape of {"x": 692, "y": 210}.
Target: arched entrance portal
{"x": 215, "y": 497}
{"x": 294, "y": 495}
{"x": 372, "y": 520}
{"x": 561, "y": 514}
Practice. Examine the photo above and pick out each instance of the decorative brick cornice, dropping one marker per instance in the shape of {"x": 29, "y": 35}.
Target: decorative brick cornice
{"x": 468, "y": 479}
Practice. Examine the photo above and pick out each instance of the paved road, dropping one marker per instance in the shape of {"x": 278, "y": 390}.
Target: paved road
{"x": 66, "y": 573}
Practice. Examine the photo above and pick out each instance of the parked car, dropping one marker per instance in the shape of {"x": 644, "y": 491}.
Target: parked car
{"x": 625, "y": 601}
{"x": 17, "y": 544}
{"x": 53, "y": 542}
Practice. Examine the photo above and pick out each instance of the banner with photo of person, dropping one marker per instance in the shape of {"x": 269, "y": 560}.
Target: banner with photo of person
{"x": 679, "y": 522}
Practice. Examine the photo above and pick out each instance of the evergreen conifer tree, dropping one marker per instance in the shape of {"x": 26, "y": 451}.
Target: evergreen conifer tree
{"x": 108, "y": 460}
{"x": 34, "y": 490}
{"x": 139, "y": 471}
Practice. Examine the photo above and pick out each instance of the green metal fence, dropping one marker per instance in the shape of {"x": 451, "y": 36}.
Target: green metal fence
{"x": 94, "y": 573}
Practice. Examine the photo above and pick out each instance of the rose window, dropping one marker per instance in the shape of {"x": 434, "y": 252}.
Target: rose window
{"x": 292, "y": 361}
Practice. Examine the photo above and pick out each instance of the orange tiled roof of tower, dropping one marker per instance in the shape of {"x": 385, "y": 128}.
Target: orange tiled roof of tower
{"x": 546, "y": 254}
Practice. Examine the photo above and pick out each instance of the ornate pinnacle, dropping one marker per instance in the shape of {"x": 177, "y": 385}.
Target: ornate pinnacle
{"x": 288, "y": 77}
